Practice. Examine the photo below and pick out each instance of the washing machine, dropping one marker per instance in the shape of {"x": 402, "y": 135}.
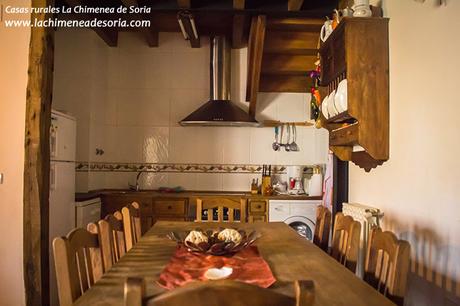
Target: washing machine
{"x": 298, "y": 214}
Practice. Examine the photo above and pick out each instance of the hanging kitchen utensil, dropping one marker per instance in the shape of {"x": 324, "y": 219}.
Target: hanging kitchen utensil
{"x": 293, "y": 146}
{"x": 287, "y": 146}
{"x": 276, "y": 144}
{"x": 281, "y": 135}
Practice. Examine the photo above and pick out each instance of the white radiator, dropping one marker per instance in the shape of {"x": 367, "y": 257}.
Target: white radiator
{"x": 368, "y": 217}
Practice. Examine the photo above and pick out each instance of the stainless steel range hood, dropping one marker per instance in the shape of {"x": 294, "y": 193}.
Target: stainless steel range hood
{"x": 219, "y": 110}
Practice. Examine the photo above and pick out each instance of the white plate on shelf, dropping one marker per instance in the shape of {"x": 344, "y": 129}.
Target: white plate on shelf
{"x": 330, "y": 105}
{"x": 216, "y": 273}
{"x": 324, "y": 107}
{"x": 341, "y": 97}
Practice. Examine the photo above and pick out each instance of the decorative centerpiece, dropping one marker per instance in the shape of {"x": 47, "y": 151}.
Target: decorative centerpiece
{"x": 225, "y": 241}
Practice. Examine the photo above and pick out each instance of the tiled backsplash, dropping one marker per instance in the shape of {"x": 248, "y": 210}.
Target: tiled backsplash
{"x": 128, "y": 101}
{"x": 177, "y": 168}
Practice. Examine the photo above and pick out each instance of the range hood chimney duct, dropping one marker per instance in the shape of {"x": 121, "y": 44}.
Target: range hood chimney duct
{"x": 220, "y": 69}
{"x": 219, "y": 110}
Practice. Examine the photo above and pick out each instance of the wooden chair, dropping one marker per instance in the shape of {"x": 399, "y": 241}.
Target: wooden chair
{"x": 222, "y": 293}
{"x": 78, "y": 263}
{"x": 322, "y": 228}
{"x": 345, "y": 241}
{"x": 220, "y": 203}
{"x": 112, "y": 239}
{"x": 131, "y": 224}
{"x": 387, "y": 264}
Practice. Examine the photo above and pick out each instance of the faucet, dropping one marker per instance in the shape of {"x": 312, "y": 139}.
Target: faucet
{"x": 136, "y": 187}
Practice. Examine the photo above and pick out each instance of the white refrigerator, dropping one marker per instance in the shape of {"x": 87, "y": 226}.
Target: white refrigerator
{"x": 62, "y": 185}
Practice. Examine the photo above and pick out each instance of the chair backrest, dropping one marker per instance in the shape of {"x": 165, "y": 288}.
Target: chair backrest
{"x": 322, "y": 227}
{"x": 112, "y": 239}
{"x": 345, "y": 241}
{"x": 209, "y": 204}
{"x": 132, "y": 224}
{"x": 387, "y": 264}
{"x": 222, "y": 293}
{"x": 78, "y": 263}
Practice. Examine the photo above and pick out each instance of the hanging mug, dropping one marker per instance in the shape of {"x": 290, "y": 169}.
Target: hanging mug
{"x": 335, "y": 19}
{"x": 347, "y": 12}
{"x": 326, "y": 30}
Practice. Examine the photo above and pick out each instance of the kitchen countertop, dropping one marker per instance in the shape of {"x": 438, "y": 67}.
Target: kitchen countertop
{"x": 83, "y": 196}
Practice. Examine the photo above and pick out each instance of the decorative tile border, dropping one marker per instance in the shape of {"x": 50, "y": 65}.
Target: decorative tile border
{"x": 177, "y": 168}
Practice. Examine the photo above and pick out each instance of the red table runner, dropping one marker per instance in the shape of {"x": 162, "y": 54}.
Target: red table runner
{"x": 184, "y": 267}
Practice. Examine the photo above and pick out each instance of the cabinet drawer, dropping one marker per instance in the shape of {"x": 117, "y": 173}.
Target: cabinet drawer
{"x": 169, "y": 207}
{"x": 146, "y": 208}
{"x": 344, "y": 136}
{"x": 257, "y": 206}
{"x": 170, "y": 219}
{"x": 257, "y": 218}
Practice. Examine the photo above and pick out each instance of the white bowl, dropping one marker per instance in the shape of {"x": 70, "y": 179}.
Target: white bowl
{"x": 215, "y": 273}
{"x": 341, "y": 97}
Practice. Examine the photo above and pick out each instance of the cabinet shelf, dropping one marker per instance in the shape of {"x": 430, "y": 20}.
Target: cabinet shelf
{"x": 358, "y": 51}
{"x": 345, "y": 136}
{"x": 341, "y": 118}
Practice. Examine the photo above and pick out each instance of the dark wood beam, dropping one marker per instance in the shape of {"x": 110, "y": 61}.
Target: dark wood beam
{"x": 285, "y": 83}
{"x": 255, "y": 51}
{"x": 239, "y": 32}
{"x": 295, "y": 24}
{"x": 238, "y": 4}
{"x": 292, "y": 42}
{"x": 109, "y": 36}
{"x": 150, "y": 36}
{"x": 288, "y": 64}
{"x": 294, "y": 5}
{"x": 184, "y": 3}
{"x": 37, "y": 161}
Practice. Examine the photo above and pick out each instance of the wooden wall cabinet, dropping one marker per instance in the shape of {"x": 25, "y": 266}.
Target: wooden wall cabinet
{"x": 152, "y": 208}
{"x": 257, "y": 210}
{"x": 358, "y": 51}
{"x": 170, "y": 209}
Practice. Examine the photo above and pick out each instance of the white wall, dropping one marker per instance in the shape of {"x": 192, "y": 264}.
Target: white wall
{"x": 419, "y": 187}
{"x": 80, "y": 87}
{"x": 129, "y": 99}
{"x": 13, "y": 81}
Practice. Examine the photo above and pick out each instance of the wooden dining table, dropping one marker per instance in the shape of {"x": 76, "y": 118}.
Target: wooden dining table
{"x": 289, "y": 256}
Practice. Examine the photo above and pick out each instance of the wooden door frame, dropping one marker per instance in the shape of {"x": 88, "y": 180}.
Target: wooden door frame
{"x": 37, "y": 161}
{"x": 340, "y": 185}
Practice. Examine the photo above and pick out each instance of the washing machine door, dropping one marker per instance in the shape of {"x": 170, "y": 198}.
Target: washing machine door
{"x": 302, "y": 225}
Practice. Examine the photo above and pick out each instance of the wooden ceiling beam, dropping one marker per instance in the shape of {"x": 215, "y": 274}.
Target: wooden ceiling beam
{"x": 285, "y": 83}
{"x": 239, "y": 32}
{"x": 294, "y": 5}
{"x": 184, "y": 4}
{"x": 288, "y": 64}
{"x": 292, "y": 42}
{"x": 255, "y": 51}
{"x": 239, "y": 4}
{"x": 109, "y": 36}
{"x": 295, "y": 24}
{"x": 150, "y": 35}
